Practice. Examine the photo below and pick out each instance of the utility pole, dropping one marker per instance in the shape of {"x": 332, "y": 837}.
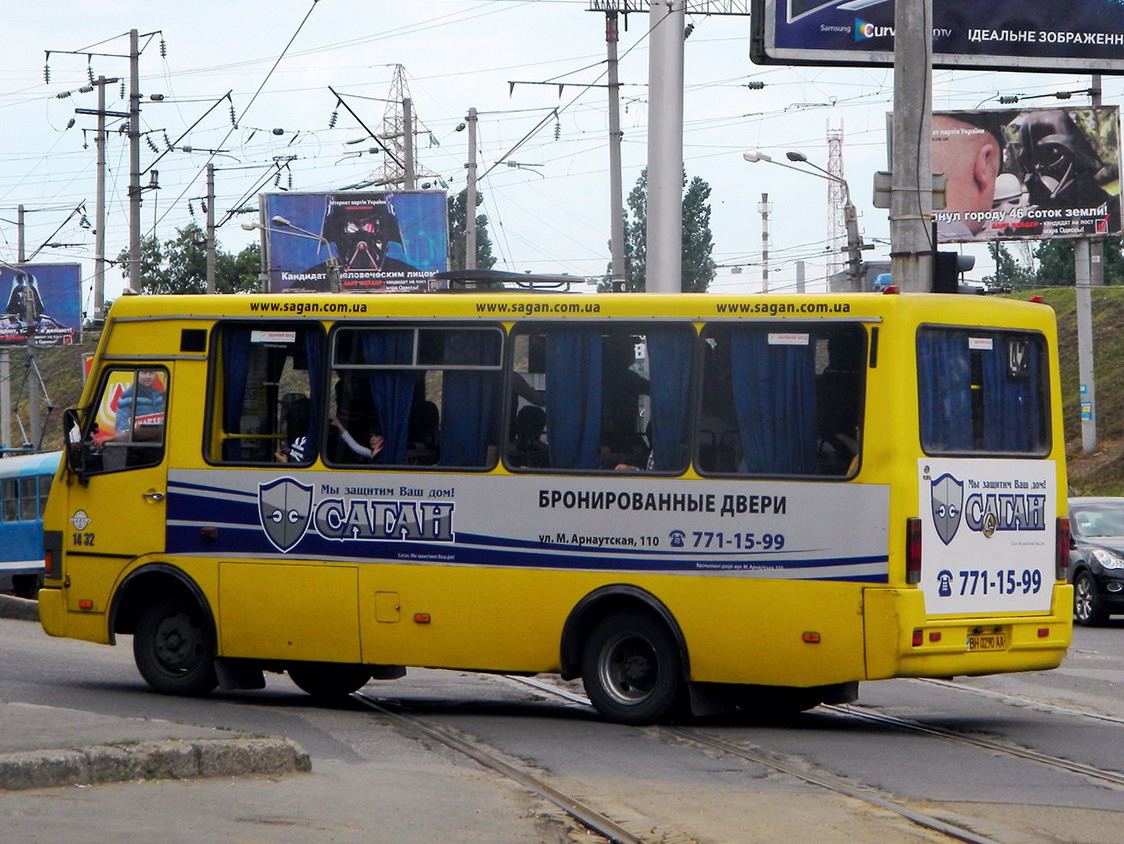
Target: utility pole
{"x": 763, "y": 207}
{"x": 665, "y": 147}
{"x": 99, "y": 232}
{"x": 210, "y": 227}
{"x": 99, "y": 235}
{"x": 911, "y": 197}
{"x": 134, "y": 163}
{"x": 1088, "y": 256}
{"x": 616, "y": 184}
{"x": 470, "y": 195}
{"x": 410, "y": 181}
{"x": 799, "y": 276}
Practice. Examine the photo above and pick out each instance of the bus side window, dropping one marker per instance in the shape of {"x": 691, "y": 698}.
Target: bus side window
{"x": 415, "y": 396}
{"x": 267, "y": 393}
{"x": 614, "y": 397}
{"x": 782, "y": 399}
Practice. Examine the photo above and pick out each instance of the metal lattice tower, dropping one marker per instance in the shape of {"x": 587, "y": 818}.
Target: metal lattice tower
{"x": 836, "y": 218}
{"x": 394, "y": 172}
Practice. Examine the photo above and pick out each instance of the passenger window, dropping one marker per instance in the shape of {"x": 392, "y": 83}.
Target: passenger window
{"x": 591, "y": 397}
{"x": 781, "y": 400}
{"x": 982, "y": 391}
{"x": 29, "y": 503}
{"x": 267, "y": 389}
{"x": 127, "y": 428}
{"x": 415, "y": 396}
{"x": 11, "y": 500}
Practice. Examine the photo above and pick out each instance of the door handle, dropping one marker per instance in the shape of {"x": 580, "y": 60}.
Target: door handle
{"x": 152, "y": 496}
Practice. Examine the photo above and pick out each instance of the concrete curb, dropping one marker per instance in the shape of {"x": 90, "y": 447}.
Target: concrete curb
{"x": 150, "y": 760}
{"x": 21, "y": 608}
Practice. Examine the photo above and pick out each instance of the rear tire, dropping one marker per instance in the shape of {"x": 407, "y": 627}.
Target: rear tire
{"x": 174, "y": 648}
{"x": 1087, "y": 610}
{"x": 329, "y": 681}
{"x": 632, "y": 670}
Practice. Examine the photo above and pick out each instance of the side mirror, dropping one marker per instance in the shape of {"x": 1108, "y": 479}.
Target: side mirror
{"x": 77, "y": 452}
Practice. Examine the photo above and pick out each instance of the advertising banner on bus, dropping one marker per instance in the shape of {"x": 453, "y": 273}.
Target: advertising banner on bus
{"x": 1028, "y": 173}
{"x": 780, "y": 530}
{"x": 48, "y": 294}
{"x": 1031, "y": 35}
{"x": 380, "y": 242}
{"x": 987, "y": 534}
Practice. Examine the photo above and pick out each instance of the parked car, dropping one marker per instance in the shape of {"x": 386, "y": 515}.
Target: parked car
{"x": 1096, "y": 558}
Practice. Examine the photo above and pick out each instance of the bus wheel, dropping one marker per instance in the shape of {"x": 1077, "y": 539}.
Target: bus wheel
{"x": 1086, "y": 606}
{"x": 632, "y": 670}
{"x": 174, "y": 648}
{"x": 329, "y": 681}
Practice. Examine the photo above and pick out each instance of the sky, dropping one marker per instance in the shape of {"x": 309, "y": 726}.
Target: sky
{"x": 278, "y": 61}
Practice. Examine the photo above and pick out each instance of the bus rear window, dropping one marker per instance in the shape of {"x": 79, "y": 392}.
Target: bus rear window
{"x": 982, "y": 392}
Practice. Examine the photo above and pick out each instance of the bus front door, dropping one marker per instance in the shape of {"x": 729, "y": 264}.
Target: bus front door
{"x": 116, "y": 507}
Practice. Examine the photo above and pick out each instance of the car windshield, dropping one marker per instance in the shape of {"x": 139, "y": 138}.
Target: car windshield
{"x": 1099, "y": 521}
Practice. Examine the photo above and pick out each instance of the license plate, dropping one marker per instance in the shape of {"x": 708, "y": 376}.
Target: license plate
{"x": 987, "y": 641}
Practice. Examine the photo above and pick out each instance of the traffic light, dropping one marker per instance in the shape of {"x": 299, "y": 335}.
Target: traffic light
{"x": 947, "y": 268}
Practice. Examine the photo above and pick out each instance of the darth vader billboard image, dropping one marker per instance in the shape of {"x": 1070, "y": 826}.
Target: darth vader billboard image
{"x": 45, "y": 296}
{"x": 1028, "y": 173}
{"x": 356, "y": 242}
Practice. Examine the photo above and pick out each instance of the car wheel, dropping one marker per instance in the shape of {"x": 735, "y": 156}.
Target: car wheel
{"x": 174, "y": 648}
{"x": 632, "y": 670}
{"x": 1087, "y": 610}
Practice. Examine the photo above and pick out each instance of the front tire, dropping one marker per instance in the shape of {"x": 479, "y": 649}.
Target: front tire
{"x": 632, "y": 670}
{"x": 329, "y": 681}
{"x": 174, "y": 648}
{"x": 1087, "y": 610}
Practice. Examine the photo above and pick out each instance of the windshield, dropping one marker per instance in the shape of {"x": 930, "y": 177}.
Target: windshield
{"x": 1099, "y": 521}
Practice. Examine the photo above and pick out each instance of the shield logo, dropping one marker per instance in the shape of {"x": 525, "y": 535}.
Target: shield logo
{"x": 284, "y": 506}
{"x": 947, "y": 504}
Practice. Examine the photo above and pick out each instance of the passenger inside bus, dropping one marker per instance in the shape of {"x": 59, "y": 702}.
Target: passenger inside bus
{"x": 294, "y": 413}
{"x": 528, "y": 451}
{"x": 358, "y": 452}
{"x": 838, "y": 392}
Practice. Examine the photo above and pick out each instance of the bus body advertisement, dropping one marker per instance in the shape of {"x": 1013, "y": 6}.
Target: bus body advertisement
{"x": 687, "y": 501}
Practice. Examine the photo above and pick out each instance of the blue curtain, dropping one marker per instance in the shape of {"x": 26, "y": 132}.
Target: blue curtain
{"x": 774, "y": 389}
{"x": 573, "y": 397}
{"x": 669, "y": 359}
{"x": 393, "y": 392}
{"x": 944, "y": 372}
{"x": 236, "y": 362}
{"x": 1012, "y": 406}
{"x": 471, "y": 398}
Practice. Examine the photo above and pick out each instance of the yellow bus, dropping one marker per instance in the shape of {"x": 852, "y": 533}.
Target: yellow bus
{"x": 689, "y": 501}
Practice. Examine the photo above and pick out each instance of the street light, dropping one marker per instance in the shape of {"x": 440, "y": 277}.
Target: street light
{"x": 284, "y": 226}
{"x": 850, "y": 217}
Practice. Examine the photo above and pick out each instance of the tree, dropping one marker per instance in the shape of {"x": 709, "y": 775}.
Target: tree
{"x": 179, "y": 265}
{"x": 1055, "y": 262}
{"x": 698, "y": 242}
{"x": 1009, "y": 273}
{"x": 458, "y": 232}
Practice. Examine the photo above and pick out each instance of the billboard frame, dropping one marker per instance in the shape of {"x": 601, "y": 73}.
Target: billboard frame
{"x": 779, "y": 37}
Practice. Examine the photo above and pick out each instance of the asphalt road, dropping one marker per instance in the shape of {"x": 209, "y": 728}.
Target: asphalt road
{"x": 374, "y": 780}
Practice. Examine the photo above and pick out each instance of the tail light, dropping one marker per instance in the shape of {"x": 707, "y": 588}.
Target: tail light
{"x": 52, "y": 554}
{"x": 1061, "y": 561}
{"x": 913, "y": 550}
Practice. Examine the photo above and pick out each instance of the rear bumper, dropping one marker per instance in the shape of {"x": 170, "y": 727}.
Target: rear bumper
{"x": 902, "y": 641}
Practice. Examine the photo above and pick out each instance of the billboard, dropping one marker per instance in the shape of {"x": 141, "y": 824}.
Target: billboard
{"x": 381, "y": 241}
{"x": 52, "y": 292}
{"x": 1028, "y": 173}
{"x": 1030, "y": 35}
